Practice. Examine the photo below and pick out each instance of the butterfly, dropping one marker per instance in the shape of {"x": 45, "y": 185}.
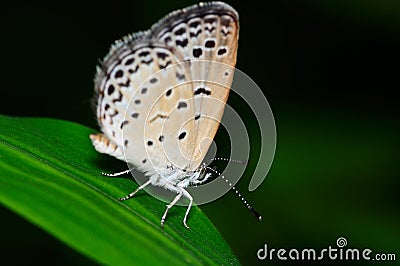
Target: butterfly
{"x": 161, "y": 93}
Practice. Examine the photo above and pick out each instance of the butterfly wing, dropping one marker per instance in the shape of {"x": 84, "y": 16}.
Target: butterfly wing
{"x": 151, "y": 105}
{"x": 205, "y": 36}
{"x": 137, "y": 96}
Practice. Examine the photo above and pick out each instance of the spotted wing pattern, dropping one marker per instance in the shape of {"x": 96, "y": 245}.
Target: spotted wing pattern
{"x": 164, "y": 90}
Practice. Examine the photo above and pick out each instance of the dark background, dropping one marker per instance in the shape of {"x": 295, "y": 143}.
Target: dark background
{"x": 329, "y": 69}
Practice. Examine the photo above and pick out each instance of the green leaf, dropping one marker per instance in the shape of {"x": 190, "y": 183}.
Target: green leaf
{"x": 51, "y": 175}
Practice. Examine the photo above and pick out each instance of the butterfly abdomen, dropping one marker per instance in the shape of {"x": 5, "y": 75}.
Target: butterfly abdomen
{"x": 103, "y": 145}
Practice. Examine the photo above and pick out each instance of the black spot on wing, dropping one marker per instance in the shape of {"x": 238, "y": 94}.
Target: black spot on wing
{"x": 210, "y": 44}
{"x": 144, "y": 53}
{"x": 202, "y": 91}
{"x": 119, "y": 74}
{"x": 110, "y": 89}
{"x": 124, "y": 123}
{"x": 221, "y": 51}
{"x": 225, "y": 32}
{"x": 167, "y": 39}
{"x": 182, "y": 135}
{"x": 195, "y": 34}
{"x": 118, "y": 99}
{"x": 225, "y": 21}
{"x": 147, "y": 62}
{"x": 161, "y": 66}
{"x": 161, "y": 116}
{"x": 132, "y": 71}
{"x": 210, "y": 29}
{"x": 194, "y": 24}
{"x": 182, "y": 105}
{"x": 210, "y": 20}
{"x": 197, "y": 52}
{"x": 129, "y": 61}
{"x": 114, "y": 114}
{"x": 126, "y": 84}
{"x": 162, "y": 55}
{"x": 180, "y": 76}
{"x": 182, "y": 43}
{"x": 180, "y": 31}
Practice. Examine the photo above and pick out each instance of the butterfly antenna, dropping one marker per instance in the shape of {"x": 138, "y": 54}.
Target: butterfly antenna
{"x": 227, "y": 160}
{"x": 248, "y": 206}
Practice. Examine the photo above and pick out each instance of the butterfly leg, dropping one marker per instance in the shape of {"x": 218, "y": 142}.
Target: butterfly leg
{"x": 169, "y": 206}
{"x": 187, "y": 195}
{"x": 134, "y": 192}
{"x": 116, "y": 174}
